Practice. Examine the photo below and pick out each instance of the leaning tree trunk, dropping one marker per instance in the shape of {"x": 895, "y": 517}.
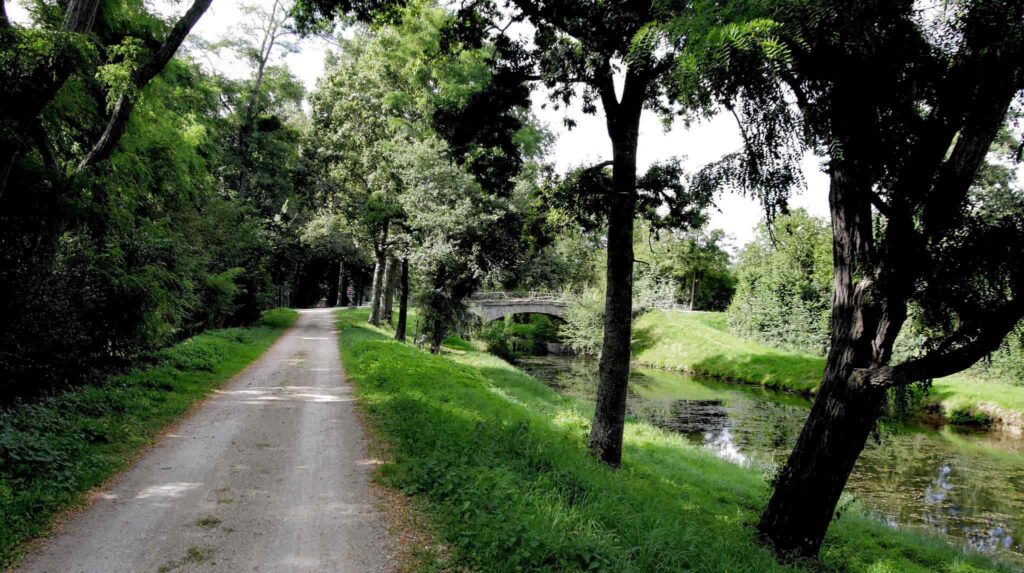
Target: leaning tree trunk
{"x": 378, "y": 288}
{"x": 845, "y": 410}
{"x": 610, "y": 409}
{"x": 390, "y": 282}
{"x": 403, "y": 301}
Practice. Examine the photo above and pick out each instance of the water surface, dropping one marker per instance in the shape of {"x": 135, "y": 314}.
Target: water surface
{"x": 968, "y": 485}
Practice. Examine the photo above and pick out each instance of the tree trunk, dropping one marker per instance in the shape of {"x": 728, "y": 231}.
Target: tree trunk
{"x": 693, "y": 289}
{"x": 342, "y": 285}
{"x": 80, "y": 16}
{"x": 610, "y": 409}
{"x": 845, "y": 410}
{"x": 332, "y": 285}
{"x": 358, "y": 291}
{"x": 403, "y": 301}
{"x": 390, "y": 281}
{"x": 378, "y": 288}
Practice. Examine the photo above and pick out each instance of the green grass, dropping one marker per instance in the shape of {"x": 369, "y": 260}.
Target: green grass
{"x": 499, "y": 463}
{"x": 977, "y": 395}
{"x": 54, "y": 451}
{"x": 699, "y": 343}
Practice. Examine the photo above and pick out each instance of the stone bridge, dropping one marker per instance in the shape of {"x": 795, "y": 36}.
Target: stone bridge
{"x": 494, "y": 305}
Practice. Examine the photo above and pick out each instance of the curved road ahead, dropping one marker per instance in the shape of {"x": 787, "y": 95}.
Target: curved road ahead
{"x": 270, "y": 474}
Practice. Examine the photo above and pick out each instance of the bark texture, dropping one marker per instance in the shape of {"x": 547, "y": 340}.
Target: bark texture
{"x": 845, "y": 409}
{"x": 378, "y": 288}
{"x": 390, "y": 283}
{"x": 610, "y": 409}
{"x": 403, "y": 301}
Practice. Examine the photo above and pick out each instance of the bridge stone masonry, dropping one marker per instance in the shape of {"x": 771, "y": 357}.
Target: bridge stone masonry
{"x": 491, "y": 306}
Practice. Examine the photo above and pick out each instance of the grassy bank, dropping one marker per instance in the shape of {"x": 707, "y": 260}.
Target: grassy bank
{"x": 54, "y": 451}
{"x": 964, "y": 396}
{"x": 499, "y": 462}
{"x": 699, "y": 342}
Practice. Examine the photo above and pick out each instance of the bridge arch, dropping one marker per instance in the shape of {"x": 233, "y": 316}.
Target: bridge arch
{"x": 490, "y": 306}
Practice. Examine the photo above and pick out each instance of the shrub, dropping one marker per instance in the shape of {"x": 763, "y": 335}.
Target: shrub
{"x": 278, "y": 317}
{"x": 969, "y": 416}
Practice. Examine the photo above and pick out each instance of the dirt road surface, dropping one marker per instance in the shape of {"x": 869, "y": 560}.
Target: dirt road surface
{"x": 270, "y": 474}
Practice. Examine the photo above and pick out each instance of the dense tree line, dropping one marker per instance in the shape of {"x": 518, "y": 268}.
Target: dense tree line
{"x": 148, "y": 197}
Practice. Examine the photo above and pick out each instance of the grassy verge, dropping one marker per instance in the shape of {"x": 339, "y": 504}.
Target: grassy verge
{"x": 968, "y": 397}
{"x": 698, "y": 342}
{"x": 499, "y": 462}
{"x": 54, "y": 451}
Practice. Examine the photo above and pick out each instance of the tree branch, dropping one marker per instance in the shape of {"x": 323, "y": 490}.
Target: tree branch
{"x": 42, "y": 139}
{"x": 118, "y": 121}
{"x": 976, "y": 345}
{"x": 605, "y": 85}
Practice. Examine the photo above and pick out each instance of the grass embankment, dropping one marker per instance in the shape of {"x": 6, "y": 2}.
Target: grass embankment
{"x": 700, "y": 343}
{"x": 54, "y": 451}
{"x": 499, "y": 462}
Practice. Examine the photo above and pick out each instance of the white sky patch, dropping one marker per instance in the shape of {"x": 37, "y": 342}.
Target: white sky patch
{"x": 587, "y": 143}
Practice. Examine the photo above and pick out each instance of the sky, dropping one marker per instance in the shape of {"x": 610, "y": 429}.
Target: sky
{"x": 587, "y": 143}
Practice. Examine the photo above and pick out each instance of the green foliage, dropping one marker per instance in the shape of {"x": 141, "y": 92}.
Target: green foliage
{"x": 511, "y": 338}
{"x": 965, "y": 416}
{"x": 500, "y": 464}
{"x": 584, "y": 322}
{"x": 54, "y": 451}
{"x": 102, "y": 267}
{"x": 784, "y": 285}
{"x": 694, "y": 262}
{"x": 278, "y": 317}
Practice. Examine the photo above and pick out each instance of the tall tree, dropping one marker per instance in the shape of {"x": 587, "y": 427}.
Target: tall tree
{"x": 265, "y": 35}
{"x": 906, "y": 232}
{"x": 581, "y": 49}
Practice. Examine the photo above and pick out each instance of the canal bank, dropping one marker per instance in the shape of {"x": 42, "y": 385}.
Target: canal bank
{"x": 499, "y": 464}
{"x": 699, "y": 343}
{"x": 961, "y": 483}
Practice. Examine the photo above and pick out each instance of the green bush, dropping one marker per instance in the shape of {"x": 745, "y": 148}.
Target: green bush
{"x": 510, "y": 339}
{"x": 969, "y": 416}
{"x": 278, "y": 317}
{"x": 784, "y": 285}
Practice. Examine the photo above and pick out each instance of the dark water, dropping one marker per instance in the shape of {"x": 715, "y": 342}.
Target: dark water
{"x": 967, "y": 485}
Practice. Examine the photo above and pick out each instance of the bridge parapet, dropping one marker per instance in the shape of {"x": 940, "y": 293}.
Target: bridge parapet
{"x": 494, "y": 305}
{"x": 538, "y": 296}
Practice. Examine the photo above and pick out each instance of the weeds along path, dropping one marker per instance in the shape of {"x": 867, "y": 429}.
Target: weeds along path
{"x": 270, "y": 474}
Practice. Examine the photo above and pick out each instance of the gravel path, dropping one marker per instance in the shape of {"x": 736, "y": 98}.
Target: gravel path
{"x": 270, "y": 474}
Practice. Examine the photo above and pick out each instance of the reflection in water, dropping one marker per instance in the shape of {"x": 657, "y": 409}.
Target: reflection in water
{"x": 967, "y": 486}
